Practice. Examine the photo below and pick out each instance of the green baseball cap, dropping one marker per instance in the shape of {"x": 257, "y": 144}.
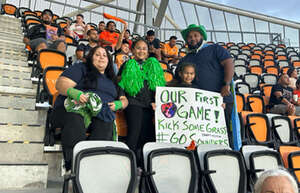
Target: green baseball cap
{"x": 194, "y": 27}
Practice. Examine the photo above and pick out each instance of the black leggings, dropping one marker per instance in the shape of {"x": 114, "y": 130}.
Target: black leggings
{"x": 140, "y": 128}
{"x": 73, "y": 131}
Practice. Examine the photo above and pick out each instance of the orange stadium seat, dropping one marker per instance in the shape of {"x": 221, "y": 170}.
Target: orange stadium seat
{"x": 168, "y": 75}
{"x": 256, "y": 103}
{"x": 285, "y": 151}
{"x": 296, "y": 63}
{"x": 272, "y": 70}
{"x": 38, "y": 13}
{"x": 269, "y": 62}
{"x": 9, "y": 9}
{"x": 240, "y": 102}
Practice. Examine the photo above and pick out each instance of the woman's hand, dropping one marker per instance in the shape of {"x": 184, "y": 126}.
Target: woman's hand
{"x": 153, "y": 105}
{"x": 112, "y": 106}
{"x": 83, "y": 98}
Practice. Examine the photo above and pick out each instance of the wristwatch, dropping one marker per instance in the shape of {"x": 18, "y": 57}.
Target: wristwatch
{"x": 225, "y": 83}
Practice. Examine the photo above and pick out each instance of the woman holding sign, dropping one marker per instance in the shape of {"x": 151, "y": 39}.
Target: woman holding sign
{"x": 139, "y": 78}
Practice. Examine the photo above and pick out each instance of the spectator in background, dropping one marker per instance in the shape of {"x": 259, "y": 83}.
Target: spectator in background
{"x": 46, "y": 30}
{"x": 122, "y": 55}
{"x": 78, "y": 27}
{"x": 109, "y": 37}
{"x": 293, "y": 74}
{"x": 281, "y": 100}
{"x": 59, "y": 45}
{"x": 276, "y": 181}
{"x": 154, "y": 45}
{"x": 296, "y": 93}
{"x": 101, "y": 26}
{"x": 187, "y": 73}
{"x": 170, "y": 51}
{"x": 214, "y": 67}
{"x": 79, "y": 54}
{"x": 92, "y": 36}
{"x": 127, "y": 37}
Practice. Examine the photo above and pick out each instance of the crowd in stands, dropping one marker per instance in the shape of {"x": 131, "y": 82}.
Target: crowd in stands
{"x": 124, "y": 72}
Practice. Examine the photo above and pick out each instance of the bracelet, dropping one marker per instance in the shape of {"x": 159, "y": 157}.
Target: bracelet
{"x": 118, "y": 105}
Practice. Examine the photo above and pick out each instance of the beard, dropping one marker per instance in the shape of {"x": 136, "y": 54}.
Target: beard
{"x": 191, "y": 47}
{"x": 47, "y": 22}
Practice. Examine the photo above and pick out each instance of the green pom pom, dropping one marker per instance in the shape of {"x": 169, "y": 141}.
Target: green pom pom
{"x": 154, "y": 73}
{"x": 132, "y": 78}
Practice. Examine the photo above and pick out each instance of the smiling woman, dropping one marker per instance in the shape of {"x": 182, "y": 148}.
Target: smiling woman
{"x": 88, "y": 98}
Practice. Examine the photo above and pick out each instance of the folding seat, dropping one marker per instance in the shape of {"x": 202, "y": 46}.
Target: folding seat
{"x": 21, "y": 11}
{"x": 266, "y": 92}
{"x": 256, "y": 69}
{"x": 168, "y": 75}
{"x": 269, "y": 79}
{"x": 285, "y": 69}
{"x": 257, "y": 48}
{"x": 240, "y": 44}
{"x": 255, "y": 57}
{"x": 289, "y": 49}
{"x": 262, "y": 45}
{"x": 285, "y": 151}
{"x": 71, "y": 53}
{"x": 283, "y": 63}
{"x": 102, "y": 166}
{"x": 70, "y": 40}
{"x": 292, "y": 53}
{"x": 31, "y": 20}
{"x": 240, "y": 102}
{"x": 243, "y": 121}
{"x": 296, "y": 63}
{"x": 223, "y": 170}
{"x": 272, "y": 46}
{"x": 9, "y": 9}
{"x": 282, "y": 57}
{"x": 294, "y": 58}
{"x": 296, "y": 123}
{"x": 242, "y": 56}
{"x": 169, "y": 168}
{"x": 269, "y": 52}
{"x": 258, "y": 52}
{"x": 29, "y": 12}
{"x": 229, "y": 44}
{"x": 234, "y": 47}
{"x": 45, "y": 59}
{"x": 59, "y": 20}
{"x": 50, "y": 76}
{"x": 239, "y": 71}
{"x": 279, "y": 50}
{"x": 243, "y": 88}
{"x": 272, "y": 70}
{"x": 283, "y": 131}
{"x": 267, "y": 48}
{"x": 258, "y": 130}
{"x": 258, "y": 159}
{"x": 253, "y": 80}
{"x": 234, "y": 52}
{"x": 294, "y": 164}
{"x": 256, "y": 103}
{"x": 246, "y": 47}
{"x": 251, "y": 45}
{"x": 240, "y": 62}
{"x": 38, "y": 13}
{"x": 269, "y": 62}
{"x": 247, "y": 52}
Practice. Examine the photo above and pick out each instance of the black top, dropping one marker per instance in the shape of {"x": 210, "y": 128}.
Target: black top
{"x": 155, "y": 43}
{"x": 144, "y": 98}
{"x": 85, "y": 48}
{"x": 209, "y": 70}
{"x": 287, "y": 93}
{"x": 39, "y": 31}
{"x": 106, "y": 89}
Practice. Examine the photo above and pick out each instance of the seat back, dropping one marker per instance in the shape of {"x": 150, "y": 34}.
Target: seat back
{"x": 240, "y": 102}
{"x": 50, "y": 76}
{"x": 256, "y": 70}
{"x": 294, "y": 164}
{"x": 283, "y": 63}
{"x": 272, "y": 70}
{"x": 285, "y": 151}
{"x": 240, "y": 70}
{"x": 48, "y": 57}
{"x": 70, "y": 40}
{"x": 21, "y": 11}
{"x": 256, "y": 103}
{"x": 168, "y": 75}
{"x": 222, "y": 163}
{"x": 243, "y": 88}
{"x": 164, "y": 65}
{"x": 164, "y": 159}
{"x": 104, "y": 166}
{"x": 258, "y": 129}
{"x": 269, "y": 79}
{"x": 252, "y": 79}
{"x": 71, "y": 52}
{"x": 283, "y": 130}
{"x": 9, "y": 9}
{"x": 240, "y": 62}
{"x": 254, "y": 61}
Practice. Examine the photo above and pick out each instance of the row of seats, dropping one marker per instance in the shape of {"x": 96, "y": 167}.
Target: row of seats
{"x": 209, "y": 169}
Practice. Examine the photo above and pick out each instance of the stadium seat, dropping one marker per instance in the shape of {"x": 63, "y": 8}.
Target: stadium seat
{"x": 294, "y": 58}
{"x": 251, "y": 45}
{"x": 283, "y": 131}
{"x": 246, "y": 47}
{"x": 243, "y": 56}
{"x": 269, "y": 79}
{"x": 29, "y": 12}
{"x": 9, "y": 9}
{"x": 259, "y": 159}
{"x": 258, "y": 130}
{"x": 285, "y": 151}
{"x": 254, "y": 61}
{"x": 262, "y": 45}
{"x": 253, "y": 80}
{"x": 285, "y": 69}
{"x": 70, "y": 40}
{"x": 164, "y": 65}
{"x": 268, "y": 62}
{"x": 294, "y": 165}
{"x": 50, "y": 76}
{"x": 21, "y": 11}
{"x": 256, "y": 103}
{"x": 256, "y": 57}
{"x": 272, "y": 70}
{"x": 240, "y": 71}
{"x": 168, "y": 75}
{"x": 234, "y": 52}
{"x": 71, "y": 53}
{"x": 162, "y": 174}
{"x": 223, "y": 170}
{"x": 102, "y": 166}
{"x": 241, "y": 44}
{"x": 247, "y": 52}
{"x": 83, "y": 41}
{"x": 258, "y": 52}
{"x": 38, "y": 13}
{"x": 240, "y": 102}
{"x": 292, "y": 53}
{"x": 283, "y": 63}
{"x": 256, "y": 70}
{"x": 269, "y": 53}
{"x": 240, "y": 62}
{"x": 266, "y": 92}
{"x": 243, "y": 88}
{"x": 296, "y": 63}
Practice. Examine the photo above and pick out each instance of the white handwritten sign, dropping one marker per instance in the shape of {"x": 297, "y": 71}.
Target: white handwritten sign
{"x": 186, "y": 114}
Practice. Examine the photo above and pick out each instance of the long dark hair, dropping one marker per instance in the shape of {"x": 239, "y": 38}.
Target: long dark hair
{"x": 90, "y": 80}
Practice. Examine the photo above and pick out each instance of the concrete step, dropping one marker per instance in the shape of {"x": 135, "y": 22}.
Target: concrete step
{"x": 9, "y": 116}
{"x": 17, "y": 102}
{"x": 17, "y": 91}
{"x": 13, "y": 82}
{"x": 15, "y": 74}
{"x": 16, "y": 44}
{"x": 16, "y": 61}
{"x": 22, "y": 133}
{"x": 9, "y": 18}
{"x": 21, "y": 153}
{"x": 8, "y": 66}
{"x": 55, "y": 165}
{"x": 23, "y": 176}
{"x": 13, "y": 52}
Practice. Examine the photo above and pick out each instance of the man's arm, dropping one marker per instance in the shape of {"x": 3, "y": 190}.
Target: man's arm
{"x": 121, "y": 36}
{"x": 228, "y": 74}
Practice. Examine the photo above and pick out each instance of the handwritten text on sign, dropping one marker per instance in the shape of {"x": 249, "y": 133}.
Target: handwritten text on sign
{"x": 186, "y": 114}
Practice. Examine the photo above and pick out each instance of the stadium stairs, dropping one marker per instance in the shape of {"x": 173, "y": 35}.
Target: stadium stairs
{"x": 24, "y": 165}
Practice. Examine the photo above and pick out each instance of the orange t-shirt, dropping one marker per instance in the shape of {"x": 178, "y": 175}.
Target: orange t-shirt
{"x": 170, "y": 51}
{"x": 108, "y": 36}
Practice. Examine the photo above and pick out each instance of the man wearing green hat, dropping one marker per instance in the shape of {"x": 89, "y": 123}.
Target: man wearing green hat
{"x": 214, "y": 65}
